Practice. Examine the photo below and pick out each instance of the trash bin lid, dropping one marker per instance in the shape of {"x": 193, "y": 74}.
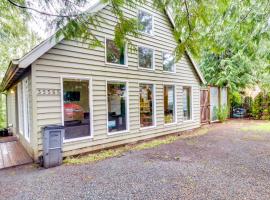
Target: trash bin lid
{"x": 53, "y": 127}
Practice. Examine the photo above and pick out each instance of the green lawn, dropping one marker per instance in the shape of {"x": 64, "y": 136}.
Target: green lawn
{"x": 264, "y": 127}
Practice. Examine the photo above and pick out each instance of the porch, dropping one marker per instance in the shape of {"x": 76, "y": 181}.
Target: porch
{"x": 12, "y": 153}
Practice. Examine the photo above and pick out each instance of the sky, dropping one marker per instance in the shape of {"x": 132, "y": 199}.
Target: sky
{"x": 39, "y": 23}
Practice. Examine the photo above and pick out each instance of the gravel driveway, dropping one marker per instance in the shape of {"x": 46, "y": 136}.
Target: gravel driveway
{"x": 232, "y": 161}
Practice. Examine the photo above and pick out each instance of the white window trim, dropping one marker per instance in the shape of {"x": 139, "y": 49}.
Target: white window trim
{"x": 174, "y": 65}
{"x": 90, "y": 89}
{"x": 175, "y": 105}
{"x": 114, "y": 64}
{"x": 154, "y": 105}
{"x": 20, "y": 108}
{"x": 191, "y": 103}
{"x": 153, "y": 22}
{"x": 127, "y": 107}
{"x": 153, "y": 59}
{"x": 26, "y": 113}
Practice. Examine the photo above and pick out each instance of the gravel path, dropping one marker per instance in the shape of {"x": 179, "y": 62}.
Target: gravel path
{"x": 230, "y": 162}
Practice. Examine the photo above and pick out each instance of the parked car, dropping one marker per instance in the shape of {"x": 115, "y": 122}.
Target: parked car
{"x": 73, "y": 113}
{"x": 239, "y": 112}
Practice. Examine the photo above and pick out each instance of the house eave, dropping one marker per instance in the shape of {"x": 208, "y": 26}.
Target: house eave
{"x": 9, "y": 75}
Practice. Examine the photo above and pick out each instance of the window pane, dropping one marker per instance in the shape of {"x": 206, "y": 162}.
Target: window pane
{"x": 114, "y": 54}
{"x": 169, "y": 113}
{"x": 116, "y": 94}
{"x": 76, "y": 108}
{"x": 186, "y": 103}
{"x": 145, "y": 58}
{"x": 25, "y": 93}
{"x": 146, "y": 105}
{"x": 168, "y": 62}
{"x": 145, "y": 22}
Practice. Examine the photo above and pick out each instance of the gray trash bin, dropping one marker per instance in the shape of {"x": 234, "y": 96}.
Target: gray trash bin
{"x": 52, "y": 145}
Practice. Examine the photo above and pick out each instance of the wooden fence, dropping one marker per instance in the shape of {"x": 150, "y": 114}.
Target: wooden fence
{"x": 212, "y": 98}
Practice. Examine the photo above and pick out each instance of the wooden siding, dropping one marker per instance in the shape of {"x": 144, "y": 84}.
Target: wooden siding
{"x": 73, "y": 58}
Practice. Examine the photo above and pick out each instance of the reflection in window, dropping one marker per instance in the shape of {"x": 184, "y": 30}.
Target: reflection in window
{"x": 117, "y": 106}
{"x": 76, "y": 108}
{"x": 169, "y": 98}
{"x": 146, "y": 105}
{"x": 187, "y": 103}
{"x": 146, "y": 58}
{"x": 114, "y": 54}
{"x": 168, "y": 62}
{"x": 145, "y": 22}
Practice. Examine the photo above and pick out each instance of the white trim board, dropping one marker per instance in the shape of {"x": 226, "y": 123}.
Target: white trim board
{"x": 90, "y": 100}
{"x": 126, "y": 103}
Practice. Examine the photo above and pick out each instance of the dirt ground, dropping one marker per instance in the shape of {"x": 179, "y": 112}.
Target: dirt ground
{"x": 231, "y": 161}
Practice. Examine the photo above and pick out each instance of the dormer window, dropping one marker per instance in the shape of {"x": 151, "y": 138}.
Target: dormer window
{"x": 115, "y": 55}
{"x": 146, "y": 24}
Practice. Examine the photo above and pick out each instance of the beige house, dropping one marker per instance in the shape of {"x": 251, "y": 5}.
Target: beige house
{"x": 104, "y": 96}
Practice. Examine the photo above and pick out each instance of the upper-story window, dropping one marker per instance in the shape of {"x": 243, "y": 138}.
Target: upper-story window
{"x": 115, "y": 55}
{"x": 168, "y": 62}
{"x": 145, "y": 20}
{"x": 146, "y": 58}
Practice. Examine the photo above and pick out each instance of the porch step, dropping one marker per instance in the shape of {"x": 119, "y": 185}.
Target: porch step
{"x": 8, "y": 139}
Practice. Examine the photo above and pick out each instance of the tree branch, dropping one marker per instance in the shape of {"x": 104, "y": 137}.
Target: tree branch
{"x": 41, "y": 12}
{"x": 188, "y": 16}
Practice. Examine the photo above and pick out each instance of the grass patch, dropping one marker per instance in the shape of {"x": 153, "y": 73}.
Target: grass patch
{"x": 155, "y": 143}
{"x": 253, "y": 138}
{"x": 102, "y": 155}
{"x": 265, "y": 128}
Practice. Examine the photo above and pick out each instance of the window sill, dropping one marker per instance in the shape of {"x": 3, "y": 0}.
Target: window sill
{"x": 169, "y": 72}
{"x": 146, "y": 69}
{"x": 147, "y": 128}
{"x": 77, "y": 139}
{"x": 170, "y": 124}
{"x": 117, "y": 133}
{"x": 116, "y": 65}
{"x": 147, "y": 34}
{"x": 188, "y": 121}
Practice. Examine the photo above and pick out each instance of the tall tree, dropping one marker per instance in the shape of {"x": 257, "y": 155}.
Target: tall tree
{"x": 15, "y": 36}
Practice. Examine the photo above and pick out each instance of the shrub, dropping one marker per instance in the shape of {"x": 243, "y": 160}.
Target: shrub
{"x": 261, "y": 106}
{"x": 222, "y": 113}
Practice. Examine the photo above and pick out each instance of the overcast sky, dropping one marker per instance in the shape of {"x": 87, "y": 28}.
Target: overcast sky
{"x": 39, "y": 22}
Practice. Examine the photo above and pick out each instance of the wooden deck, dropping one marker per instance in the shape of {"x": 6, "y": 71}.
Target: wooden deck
{"x": 12, "y": 153}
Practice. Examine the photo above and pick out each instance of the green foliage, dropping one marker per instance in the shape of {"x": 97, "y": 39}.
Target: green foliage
{"x": 15, "y": 36}
{"x": 222, "y": 113}
{"x": 261, "y": 106}
{"x": 248, "y": 102}
{"x": 236, "y": 99}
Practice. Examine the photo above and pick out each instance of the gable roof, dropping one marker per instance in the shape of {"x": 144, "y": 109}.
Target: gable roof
{"x": 18, "y": 66}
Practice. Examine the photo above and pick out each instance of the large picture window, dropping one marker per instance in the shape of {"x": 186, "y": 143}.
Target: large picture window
{"x": 117, "y": 106}
{"x": 147, "y": 105}
{"x": 146, "y": 58}
{"x": 168, "y": 62}
{"x": 76, "y": 108}
{"x": 145, "y": 20}
{"x": 115, "y": 55}
{"x": 187, "y": 103}
{"x": 169, "y": 104}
